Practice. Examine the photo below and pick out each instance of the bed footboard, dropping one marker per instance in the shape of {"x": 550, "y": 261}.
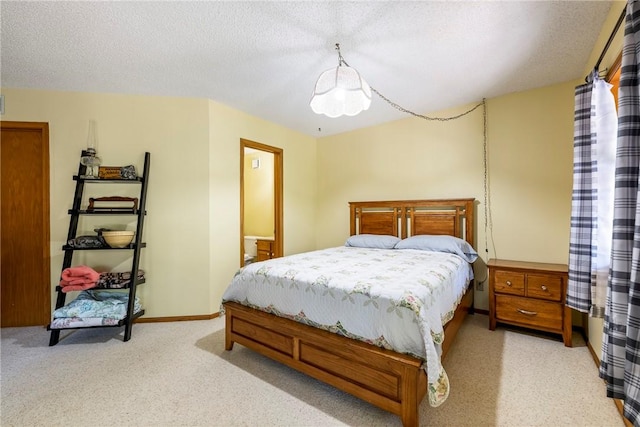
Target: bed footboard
{"x": 394, "y": 382}
{"x": 391, "y": 381}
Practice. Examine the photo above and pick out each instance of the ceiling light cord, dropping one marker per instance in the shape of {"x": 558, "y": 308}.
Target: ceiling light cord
{"x": 401, "y": 108}
{"x": 422, "y": 116}
{"x": 340, "y": 58}
{"x": 488, "y": 219}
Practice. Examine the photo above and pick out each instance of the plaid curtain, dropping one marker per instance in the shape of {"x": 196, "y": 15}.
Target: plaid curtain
{"x": 620, "y": 362}
{"x": 595, "y": 126}
{"x": 583, "y": 202}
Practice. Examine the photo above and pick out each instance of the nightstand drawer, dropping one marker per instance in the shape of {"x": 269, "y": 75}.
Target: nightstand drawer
{"x": 509, "y": 282}
{"x": 265, "y": 249}
{"x": 544, "y": 286}
{"x": 264, "y": 245}
{"x": 535, "y": 313}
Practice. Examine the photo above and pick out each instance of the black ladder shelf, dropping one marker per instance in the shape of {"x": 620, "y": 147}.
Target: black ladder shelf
{"x": 136, "y": 246}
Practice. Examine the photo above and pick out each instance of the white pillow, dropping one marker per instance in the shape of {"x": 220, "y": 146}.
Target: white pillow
{"x": 378, "y": 241}
{"x": 437, "y": 243}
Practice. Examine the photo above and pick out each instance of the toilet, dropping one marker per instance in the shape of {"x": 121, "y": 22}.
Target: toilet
{"x": 250, "y": 249}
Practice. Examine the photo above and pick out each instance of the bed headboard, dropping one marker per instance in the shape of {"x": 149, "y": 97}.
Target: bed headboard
{"x": 404, "y": 218}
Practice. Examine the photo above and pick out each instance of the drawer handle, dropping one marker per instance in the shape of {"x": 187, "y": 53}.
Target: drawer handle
{"x": 544, "y": 288}
{"x": 509, "y": 283}
{"x": 528, "y": 313}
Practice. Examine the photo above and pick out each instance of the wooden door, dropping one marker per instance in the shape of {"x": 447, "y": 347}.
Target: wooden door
{"x": 25, "y": 287}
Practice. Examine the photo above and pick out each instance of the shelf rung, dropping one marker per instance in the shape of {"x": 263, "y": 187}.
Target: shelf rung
{"x": 140, "y": 282}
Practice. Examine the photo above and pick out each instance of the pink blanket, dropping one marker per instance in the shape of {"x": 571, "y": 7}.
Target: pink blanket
{"x": 78, "y": 278}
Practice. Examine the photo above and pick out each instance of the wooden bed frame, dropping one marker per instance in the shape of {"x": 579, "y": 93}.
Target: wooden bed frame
{"x": 392, "y": 381}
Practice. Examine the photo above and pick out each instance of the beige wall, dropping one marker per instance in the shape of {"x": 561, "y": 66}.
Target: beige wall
{"x": 258, "y": 194}
{"x": 529, "y": 157}
{"x": 194, "y": 189}
{"x": 530, "y": 170}
{"x": 192, "y": 226}
{"x": 299, "y": 157}
{"x": 404, "y": 159}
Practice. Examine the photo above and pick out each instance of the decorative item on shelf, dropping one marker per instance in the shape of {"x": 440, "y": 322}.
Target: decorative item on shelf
{"x": 109, "y": 172}
{"x": 118, "y": 239}
{"x": 91, "y": 161}
{"x": 128, "y": 172}
{"x": 86, "y": 242}
{"x": 117, "y": 172}
{"x": 89, "y": 157}
{"x": 109, "y": 207}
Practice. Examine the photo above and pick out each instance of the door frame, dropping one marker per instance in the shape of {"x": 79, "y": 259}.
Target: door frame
{"x": 43, "y": 129}
{"x": 278, "y": 247}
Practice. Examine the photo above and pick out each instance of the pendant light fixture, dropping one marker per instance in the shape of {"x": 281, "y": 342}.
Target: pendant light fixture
{"x": 340, "y": 91}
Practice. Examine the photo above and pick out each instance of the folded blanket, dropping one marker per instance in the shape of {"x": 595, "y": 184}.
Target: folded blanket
{"x": 78, "y": 278}
{"x": 81, "y": 322}
{"x": 102, "y": 304}
{"x": 115, "y": 280}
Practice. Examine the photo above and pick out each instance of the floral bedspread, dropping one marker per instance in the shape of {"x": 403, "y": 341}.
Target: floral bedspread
{"x": 397, "y": 299}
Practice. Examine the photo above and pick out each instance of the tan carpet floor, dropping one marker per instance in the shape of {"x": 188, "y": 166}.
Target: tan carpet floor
{"x": 178, "y": 374}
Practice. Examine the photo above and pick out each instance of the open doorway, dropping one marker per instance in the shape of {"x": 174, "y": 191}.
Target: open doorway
{"x": 260, "y": 202}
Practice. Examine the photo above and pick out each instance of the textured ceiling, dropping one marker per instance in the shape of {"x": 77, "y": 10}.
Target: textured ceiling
{"x": 264, "y": 57}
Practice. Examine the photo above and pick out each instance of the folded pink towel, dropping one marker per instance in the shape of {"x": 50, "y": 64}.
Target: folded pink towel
{"x": 71, "y": 288}
{"x": 75, "y": 282}
{"x": 82, "y": 276}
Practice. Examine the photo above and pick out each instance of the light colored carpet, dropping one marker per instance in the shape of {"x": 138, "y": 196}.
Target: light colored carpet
{"x": 178, "y": 374}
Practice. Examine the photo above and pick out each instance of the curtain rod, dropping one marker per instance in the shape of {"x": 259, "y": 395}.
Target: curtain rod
{"x": 606, "y": 46}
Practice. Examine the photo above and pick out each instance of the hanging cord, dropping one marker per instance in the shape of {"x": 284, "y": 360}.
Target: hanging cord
{"x": 404, "y": 110}
{"x": 422, "y": 116}
{"x": 488, "y": 220}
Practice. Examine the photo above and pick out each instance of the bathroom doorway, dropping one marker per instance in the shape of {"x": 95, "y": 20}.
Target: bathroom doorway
{"x": 260, "y": 202}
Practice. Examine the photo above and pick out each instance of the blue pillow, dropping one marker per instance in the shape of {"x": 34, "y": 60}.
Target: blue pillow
{"x": 372, "y": 241}
{"x": 436, "y": 243}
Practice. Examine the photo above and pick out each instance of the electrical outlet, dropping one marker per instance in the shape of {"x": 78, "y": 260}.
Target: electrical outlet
{"x": 480, "y": 286}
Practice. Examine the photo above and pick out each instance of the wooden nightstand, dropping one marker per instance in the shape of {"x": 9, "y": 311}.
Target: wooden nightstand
{"x": 531, "y": 295}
